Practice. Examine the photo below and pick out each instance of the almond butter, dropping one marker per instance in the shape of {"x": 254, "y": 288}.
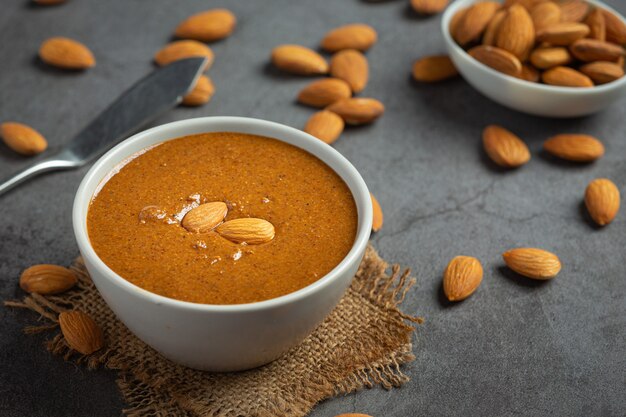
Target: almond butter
{"x": 516, "y": 33}
{"x": 66, "y": 53}
{"x": 430, "y": 69}
{"x": 566, "y": 77}
{"x": 201, "y": 93}
{"x": 563, "y": 34}
{"x": 545, "y": 15}
{"x": 351, "y": 66}
{"x": 299, "y": 60}
{"x": 47, "y": 279}
{"x": 357, "y": 36}
{"x": 474, "y": 22}
{"x": 207, "y": 26}
{"x": 184, "y": 49}
{"x": 378, "y": 219}
{"x": 323, "y": 92}
{"x": 22, "y": 139}
{"x": 205, "y": 217}
{"x": 544, "y": 58}
{"x": 357, "y": 111}
{"x": 498, "y": 59}
{"x": 325, "y": 125}
{"x": 462, "y": 277}
{"x": 81, "y": 332}
{"x": 602, "y": 72}
{"x": 428, "y": 6}
{"x": 572, "y": 147}
{"x": 533, "y": 263}
{"x": 615, "y": 28}
{"x": 249, "y": 230}
{"x": 504, "y": 148}
{"x": 602, "y": 199}
{"x": 597, "y": 25}
{"x": 573, "y": 10}
{"x": 590, "y": 50}
{"x": 530, "y": 74}
{"x": 492, "y": 29}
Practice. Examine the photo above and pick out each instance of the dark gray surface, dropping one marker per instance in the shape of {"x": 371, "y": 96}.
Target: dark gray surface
{"x": 514, "y": 348}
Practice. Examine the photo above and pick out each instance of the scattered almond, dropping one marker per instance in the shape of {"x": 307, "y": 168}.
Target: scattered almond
{"x": 516, "y": 33}
{"x": 205, "y": 217}
{"x": 430, "y": 69}
{"x": 504, "y": 148}
{"x": 602, "y": 72}
{"x": 378, "y": 219}
{"x": 563, "y": 34}
{"x": 249, "y": 230}
{"x": 299, "y": 60}
{"x": 533, "y": 263}
{"x": 566, "y": 77}
{"x": 357, "y": 111}
{"x": 428, "y": 6}
{"x": 80, "y": 332}
{"x": 323, "y": 92}
{"x": 544, "y": 58}
{"x": 498, "y": 59}
{"x": 474, "y": 21}
{"x": 357, "y": 36}
{"x": 66, "y": 53}
{"x": 351, "y": 66}
{"x": 207, "y": 26}
{"x": 615, "y": 28}
{"x": 573, "y": 10}
{"x": 462, "y": 277}
{"x": 602, "y": 199}
{"x": 597, "y": 25}
{"x": 590, "y": 50}
{"x": 201, "y": 93}
{"x": 578, "y": 148}
{"x": 545, "y": 14}
{"x": 22, "y": 139}
{"x": 47, "y": 279}
{"x": 493, "y": 28}
{"x": 183, "y": 49}
{"x": 325, "y": 125}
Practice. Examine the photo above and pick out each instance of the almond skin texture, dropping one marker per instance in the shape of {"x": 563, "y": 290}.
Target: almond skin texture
{"x": 533, "y": 263}
{"x": 590, "y": 50}
{"x": 47, "y": 279}
{"x": 573, "y": 10}
{"x": 207, "y": 26}
{"x": 432, "y": 69}
{"x": 66, "y": 53}
{"x": 22, "y": 139}
{"x": 462, "y": 277}
{"x": 597, "y": 25}
{"x": 205, "y": 217}
{"x": 498, "y": 59}
{"x": 602, "y": 72}
{"x": 378, "y": 219}
{"x": 566, "y": 77}
{"x": 299, "y": 60}
{"x": 544, "y": 58}
{"x": 615, "y": 28}
{"x": 474, "y": 22}
{"x": 516, "y": 33}
{"x": 357, "y": 36}
{"x": 602, "y": 199}
{"x": 323, "y": 92}
{"x": 545, "y": 15}
{"x": 504, "y": 148}
{"x": 493, "y": 28}
{"x": 184, "y": 49}
{"x": 358, "y": 111}
{"x": 201, "y": 93}
{"x": 249, "y": 230}
{"x": 325, "y": 125}
{"x": 351, "y": 66}
{"x": 577, "y": 148}
{"x": 80, "y": 332}
{"x": 428, "y": 6}
{"x": 562, "y": 34}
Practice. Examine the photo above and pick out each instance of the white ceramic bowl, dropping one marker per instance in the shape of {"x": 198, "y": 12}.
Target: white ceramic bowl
{"x": 222, "y": 337}
{"x": 525, "y": 96}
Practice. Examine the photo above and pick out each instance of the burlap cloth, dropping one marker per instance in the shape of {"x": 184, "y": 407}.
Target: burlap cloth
{"x": 364, "y": 342}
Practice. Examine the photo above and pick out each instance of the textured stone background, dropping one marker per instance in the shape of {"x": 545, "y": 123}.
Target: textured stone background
{"x": 515, "y": 348}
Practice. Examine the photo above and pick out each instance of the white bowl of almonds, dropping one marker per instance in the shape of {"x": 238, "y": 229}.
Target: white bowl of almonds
{"x": 561, "y": 58}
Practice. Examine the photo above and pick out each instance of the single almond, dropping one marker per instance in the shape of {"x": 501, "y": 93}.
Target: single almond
{"x": 428, "y": 6}
{"x": 430, "y": 69}
{"x": 493, "y": 28}
{"x": 544, "y": 58}
{"x": 47, "y": 279}
{"x": 207, "y": 26}
{"x": 573, "y": 147}
{"x": 602, "y": 199}
{"x": 597, "y": 25}
{"x": 455, "y": 21}
{"x": 533, "y": 263}
{"x": 325, "y": 125}
{"x": 357, "y": 111}
{"x": 81, "y": 332}
{"x": 516, "y": 33}
{"x": 205, "y": 217}
{"x": 545, "y": 15}
{"x": 184, "y": 49}
{"x": 323, "y": 92}
{"x": 249, "y": 230}
{"x": 351, "y": 66}
{"x": 357, "y": 36}
{"x": 498, "y": 59}
{"x": 615, "y": 28}
{"x": 505, "y": 148}
{"x": 462, "y": 277}
{"x": 22, "y": 139}
{"x": 299, "y": 60}
{"x": 474, "y": 22}
{"x": 573, "y": 10}
{"x": 566, "y": 77}
{"x": 377, "y": 219}
{"x": 562, "y": 34}
{"x": 529, "y": 73}
{"x": 590, "y": 50}
{"x": 602, "y": 72}
{"x": 201, "y": 92}
{"x": 66, "y": 53}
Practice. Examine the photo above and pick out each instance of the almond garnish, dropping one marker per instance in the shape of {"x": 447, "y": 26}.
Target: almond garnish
{"x": 184, "y": 49}
{"x": 47, "y": 279}
{"x": 66, "y": 53}
{"x": 378, "y": 219}
{"x": 205, "y": 217}
{"x": 201, "y": 93}
{"x": 462, "y": 277}
{"x": 325, "y": 125}
{"x": 80, "y": 332}
{"x": 249, "y": 230}
{"x": 578, "y": 148}
{"x": 602, "y": 199}
{"x": 533, "y": 263}
{"x": 323, "y": 92}
{"x": 207, "y": 26}
{"x": 351, "y": 66}
{"x": 430, "y": 69}
{"x": 357, "y": 36}
{"x": 299, "y": 60}
{"x": 357, "y": 111}
{"x": 504, "y": 148}
{"x": 22, "y": 139}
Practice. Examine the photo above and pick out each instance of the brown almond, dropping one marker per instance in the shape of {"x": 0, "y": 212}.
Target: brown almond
{"x": 573, "y": 10}
{"x": 249, "y": 230}
{"x": 201, "y": 92}
{"x": 66, "y": 53}
{"x": 574, "y": 147}
{"x": 566, "y": 77}
{"x": 430, "y": 69}
{"x": 597, "y": 25}
{"x": 378, "y": 219}
{"x": 492, "y": 29}
{"x": 563, "y": 34}
{"x": 544, "y": 58}
{"x": 357, "y": 110}
{"x": 615, "y": 28}
{"x": 505, "y": 148}
{"x": 527, "y": 4}
{"x": 529, "y": 73}
{"x": 205, "y": 217}
{"x": 176, "y": 50}
{"x": 498, "y": 59}
{"x": 81, "y": 332}
{"x": 207, "y": 26}
{"x": 455, "y": 21}
{"x": 590, "y": 50}
{"x": 323, "y": 92}
{"x": 602, "y": 72}
{"x": 357, "y": 36}
{"x": 462, "y": 277}
{"x": 545, "y": 15}
{"x": 516, "y": 33}
{"x": 351, "y": 66}
{"x": 299, "y": 60}
{"x": 602, "y": 199}
{"x": 428, "y": 6}
{"x": 325, "y": 125}
{"x": 22, "y": 139}
{"x": 474, "y": 22}
{"x": 533, "y": 263}
{"x": 47, "y": 279}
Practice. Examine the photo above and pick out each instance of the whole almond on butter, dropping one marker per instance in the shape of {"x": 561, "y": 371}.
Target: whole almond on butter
{"x": 207, "y": 26}
{"x": 205, "y": 217}
{"x": 299, "y": 60}
{"x": 430, "y": 69}
{"x": 22, "y": 139}
{"x": 566, "y": 77}
{"x": 615, "y": 28}
{"x": 323, "y": 92}
{"x": 81, "y": 332}
{"x": 357, "y": 36}
{"x": 47, "y": 279}
{"x": 516, "y": 33}
{"x": 325, "y": 125}
{"x": 474, "y": 21}
{"x": 504, "y": 148}
{"x": 357, "y": 111}
{"x": 597, "y": 25}
{"x": 562, "y": 34}
{"x": 544, "y": 58}
{"x": 462, "y": 277}
{"x": 590, "y": 50}
{"x": 184, "y": 49}
{"x": 492, "y": 29}
{"x": 602, "y": 199}
{"x": 533, "y": 263}
{"x": 529, "y": 73}
{"x": 377, "y": 219}
{"x": 249, "y": 230}
{"x": 66, "y": 53}
{"x": 428, "y": 6}
{"x": 545, "y": 15}
{"x": 201, "y": 93}
{"x": 573, "y": 147}
{"x": 498, "y": 59}
{"x": 351, "y": 66}
{"x": 602, "y": 72}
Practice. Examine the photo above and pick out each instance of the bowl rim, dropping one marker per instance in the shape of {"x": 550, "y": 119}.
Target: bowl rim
{"x": 573, "y": 91}
{"x": 119, "y": 154}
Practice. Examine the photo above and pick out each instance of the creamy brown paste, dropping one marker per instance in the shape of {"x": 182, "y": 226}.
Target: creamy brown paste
{"x": 134, "y": 220}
